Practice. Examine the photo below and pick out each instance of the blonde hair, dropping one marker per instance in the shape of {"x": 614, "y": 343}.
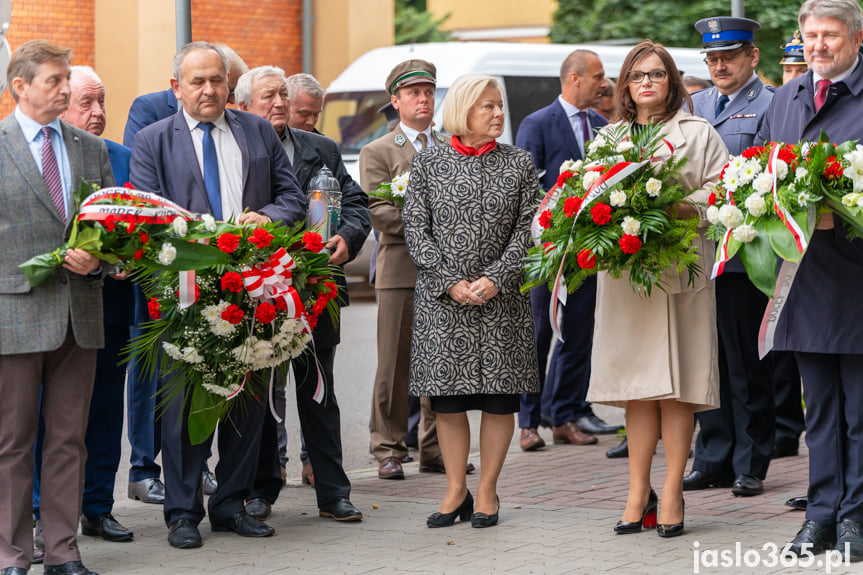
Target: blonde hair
{"x": 461, "y": 97}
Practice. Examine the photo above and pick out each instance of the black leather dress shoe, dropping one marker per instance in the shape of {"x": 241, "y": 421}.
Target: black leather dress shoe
{"x": 244, "y": 525}
{"x": 849, "y": 533}
{"x": 340, "y": 509}
{"x": 784, "y": 449}
{"x": 819, "y": 537}
{"x": 184, "y": 534}
{"x": 621, "y": 450}
{"x": 747, "y": 486}
{"x": 105, "y": 526}
{"x": 700, "y": 480}
{"x": 593, "y": 425}
{"x": 798, "y": 503}
{"x": 69, "y": 568}
{"x": 259, "y": 508}
{"x": 13, "y": 571}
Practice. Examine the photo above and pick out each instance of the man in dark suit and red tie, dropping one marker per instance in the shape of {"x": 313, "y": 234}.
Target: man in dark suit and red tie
{"x": 49, "y": 334}
{"x": 231, "y": 164}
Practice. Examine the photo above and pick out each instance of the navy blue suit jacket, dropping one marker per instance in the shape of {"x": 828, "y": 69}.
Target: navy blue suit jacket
{"x": 547, "y": 134}
{"x": 164, "y": 162}
{"x": 147, "y": 109}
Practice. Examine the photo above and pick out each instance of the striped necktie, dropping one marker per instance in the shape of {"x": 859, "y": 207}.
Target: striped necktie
{"x": 51, "y": 173}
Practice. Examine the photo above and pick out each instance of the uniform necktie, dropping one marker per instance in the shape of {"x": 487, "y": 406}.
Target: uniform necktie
{"x": 721, "y": 103}
{"x": 51, "y": 173}
{"x": 585, "y": 129}
{"x": 423, "y": 140}
{"x": 821, "y": 95}
{"x": 211, "y": 171}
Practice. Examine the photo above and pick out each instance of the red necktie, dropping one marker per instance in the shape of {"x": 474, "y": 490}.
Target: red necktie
{"x": 821, "y": 95}
{"x": 51, "y": 173}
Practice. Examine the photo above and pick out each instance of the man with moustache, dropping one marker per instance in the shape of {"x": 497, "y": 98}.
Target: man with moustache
{"x": 822, "y": 321}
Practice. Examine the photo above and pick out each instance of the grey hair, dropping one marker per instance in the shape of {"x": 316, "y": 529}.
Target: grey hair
{"x": 304, "y": 83}
{"x": 88, "y": 72}
{"x": 575, "y": 63}
{"x": 191, "y": 47}
{"x": 243, "y": 91}
{"x": 847, "y": 11}
{"x": 234, "y": 60}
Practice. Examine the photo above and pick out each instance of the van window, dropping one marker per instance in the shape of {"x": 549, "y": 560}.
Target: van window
{"x": 527, "y": 94}
{"x": 352, "y": 118}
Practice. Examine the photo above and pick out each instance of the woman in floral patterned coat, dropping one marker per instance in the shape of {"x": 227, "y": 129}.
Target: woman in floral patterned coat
{"x": 467, "y": 221}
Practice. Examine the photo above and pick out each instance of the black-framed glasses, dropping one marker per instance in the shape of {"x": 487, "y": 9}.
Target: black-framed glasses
{"x": 655, "y": 75}
{"x": 714, "y": 59}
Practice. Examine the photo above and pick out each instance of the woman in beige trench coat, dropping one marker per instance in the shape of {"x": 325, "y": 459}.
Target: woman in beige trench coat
{"x": 657, "y": 356}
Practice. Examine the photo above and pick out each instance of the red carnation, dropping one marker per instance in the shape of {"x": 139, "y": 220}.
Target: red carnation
{"x": 110, "y": 223}
{"x": 833, "y": 169}
{"x": 787, "y": 155}
{"x": 265, "y": 313}
{"x": 333, "y": 290}
{"x": 629, "y": 244}
{"x": 571, "y": 205}
{"x": 233, "y": 314}
{"x": 561, "y": 179}
{"x": 139, "y": 254}
{"x": 153, "y": 308}
{"x": 313, "y": 241}
{"x": 545, "y": 219}
{"x": 261, "y": 238}
{"x": 319, "y": 307}
{"x": 131, "y": 228}
{"x": 711, "y": 199}
{"x": 281, "y": 304}
{"x": 601, "y": 214}
{"x": 129, "y": 185}
{"x": 144, "y": 237}
{"x": 586, "y": 259}
{"x": 232, "y": 281}
{"x": 752, "y": 152}
{"x": 228, "y": 242}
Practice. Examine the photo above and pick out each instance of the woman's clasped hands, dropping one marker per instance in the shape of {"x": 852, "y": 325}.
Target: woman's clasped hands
{"x": 476, "y": 293}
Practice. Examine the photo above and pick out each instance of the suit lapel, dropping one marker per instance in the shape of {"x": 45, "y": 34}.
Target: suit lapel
{"x": 739, "y": 103}
{"x": 184, "y": 137}
{"x": 561, "y": 122}
{"x": 673, "y": 133}
{"x": 407, "y": 149}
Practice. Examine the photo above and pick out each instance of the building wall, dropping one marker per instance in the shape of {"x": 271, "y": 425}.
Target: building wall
{"x": 499, "y": 20}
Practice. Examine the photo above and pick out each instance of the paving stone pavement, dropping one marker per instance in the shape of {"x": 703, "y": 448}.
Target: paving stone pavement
{"x": 558, "y": 506}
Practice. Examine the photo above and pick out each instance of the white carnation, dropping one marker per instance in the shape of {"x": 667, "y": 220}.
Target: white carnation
{"x": 800, "y": 173}
{"x": 756, "y": 205}
{"x": 763, "y": 184}
{"x": 214, "y": 312}
{"x": 781, "y": 169}
{"x": 745, "y": 233}
{"x": 191, "y": 355}
{"x": 617, "y": 198}
{"x": 573, "y": 166}
{"x": 222, "y": 327}
{"x": 713, "y": 214}
{"x": 209, "y": 222}
{"x": 653, "y": 187}
{"x": 730, "y": 216}
{"x": 167, "y": 254}
{"x": 172, "y": 350}
{"x": 219, "y": 390}
{"x": 180, "y": 226}
{"x": 589, "y": 179}
{"x": 630, "y": 226}
{"x": 624, "y": 146}
{"x": 593, "y": 147}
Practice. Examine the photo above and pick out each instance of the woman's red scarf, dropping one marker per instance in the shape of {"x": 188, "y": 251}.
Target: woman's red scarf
{"x": 468, "y": 151}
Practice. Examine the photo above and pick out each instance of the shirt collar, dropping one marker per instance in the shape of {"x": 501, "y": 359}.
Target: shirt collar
{"x": 31, "y": 127}
{"x": 568, "y": 108}
{"x": 412, "y": 134}
{"x": 221, "y": 123}
{"x": 839, "y": 78}
{"x": 736, "y": 92}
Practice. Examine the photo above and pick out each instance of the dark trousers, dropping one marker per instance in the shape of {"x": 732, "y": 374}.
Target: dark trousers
{"x": 321, "y": 426}
{"x": 564, "y": 390}
{"x": 788, "y": 394}
{"x": 239, "y": 443}
{"x": 833, "y": 390}
{"x": 142, "y": 429}
{"x": 104, "y": 428}
{"x": 737, "y": 438}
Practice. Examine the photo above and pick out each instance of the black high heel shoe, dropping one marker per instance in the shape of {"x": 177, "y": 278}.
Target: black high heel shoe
{"x": 673, "y": 529}
{"x": 484, "y": 519}
{"x": 463, "y": 512}
{"x": 648, "y": 517}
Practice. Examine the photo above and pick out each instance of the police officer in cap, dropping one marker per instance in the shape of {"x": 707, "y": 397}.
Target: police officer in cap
{"x": 735, "y": 442}
{"x": 793, "y": 62}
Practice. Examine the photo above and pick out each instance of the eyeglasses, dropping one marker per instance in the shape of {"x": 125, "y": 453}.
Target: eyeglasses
{"x": 657, "y": 75}
{"x": 715, "y": 59}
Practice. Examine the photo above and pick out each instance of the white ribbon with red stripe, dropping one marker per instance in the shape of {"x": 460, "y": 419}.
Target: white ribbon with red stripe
{"x": 799, "y": 235}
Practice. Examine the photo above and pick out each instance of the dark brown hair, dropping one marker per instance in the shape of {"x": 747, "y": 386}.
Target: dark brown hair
{"x": 27, "y": 58}
{"x": 677, "y": 94}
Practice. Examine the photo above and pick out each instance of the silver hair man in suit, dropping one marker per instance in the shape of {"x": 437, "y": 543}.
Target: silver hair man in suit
{"x": 48, "y": 334}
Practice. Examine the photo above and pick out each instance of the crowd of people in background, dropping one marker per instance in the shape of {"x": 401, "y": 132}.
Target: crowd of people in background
{"x": 454, "y": 331}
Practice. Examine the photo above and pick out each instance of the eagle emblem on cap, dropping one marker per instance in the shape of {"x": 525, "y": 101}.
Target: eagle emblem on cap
{"x": 400, "y": 140}
{"x": 714, "y": 26}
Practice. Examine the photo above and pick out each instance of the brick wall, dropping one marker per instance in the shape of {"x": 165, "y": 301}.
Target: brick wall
{"x": 69, "y": 23}
{"x": 262, "y": 33}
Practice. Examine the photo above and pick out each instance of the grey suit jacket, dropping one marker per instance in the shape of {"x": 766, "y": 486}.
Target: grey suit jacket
{"x": 37, "y": 319}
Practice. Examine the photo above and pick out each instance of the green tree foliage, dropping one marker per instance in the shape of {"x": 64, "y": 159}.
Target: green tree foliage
{"x": 415, "y": 24}
{"x": 671, "y": 22}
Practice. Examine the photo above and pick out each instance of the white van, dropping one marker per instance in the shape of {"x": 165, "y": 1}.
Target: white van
{"x": 529, "y": 73}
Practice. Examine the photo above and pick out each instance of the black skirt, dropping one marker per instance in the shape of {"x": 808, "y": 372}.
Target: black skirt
{"x": 497, "y": 404}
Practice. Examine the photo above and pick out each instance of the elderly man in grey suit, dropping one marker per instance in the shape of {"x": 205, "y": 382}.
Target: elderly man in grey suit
{"x": 48, "y": 334}
{"x": 230, "y": 164}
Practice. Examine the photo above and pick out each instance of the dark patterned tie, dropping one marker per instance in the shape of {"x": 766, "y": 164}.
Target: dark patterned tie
{"x": 720, "y": 105}
{"x": 211, "y": 171}
{"x": 821, "y": 95}
{"x": 51, "y": 173}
